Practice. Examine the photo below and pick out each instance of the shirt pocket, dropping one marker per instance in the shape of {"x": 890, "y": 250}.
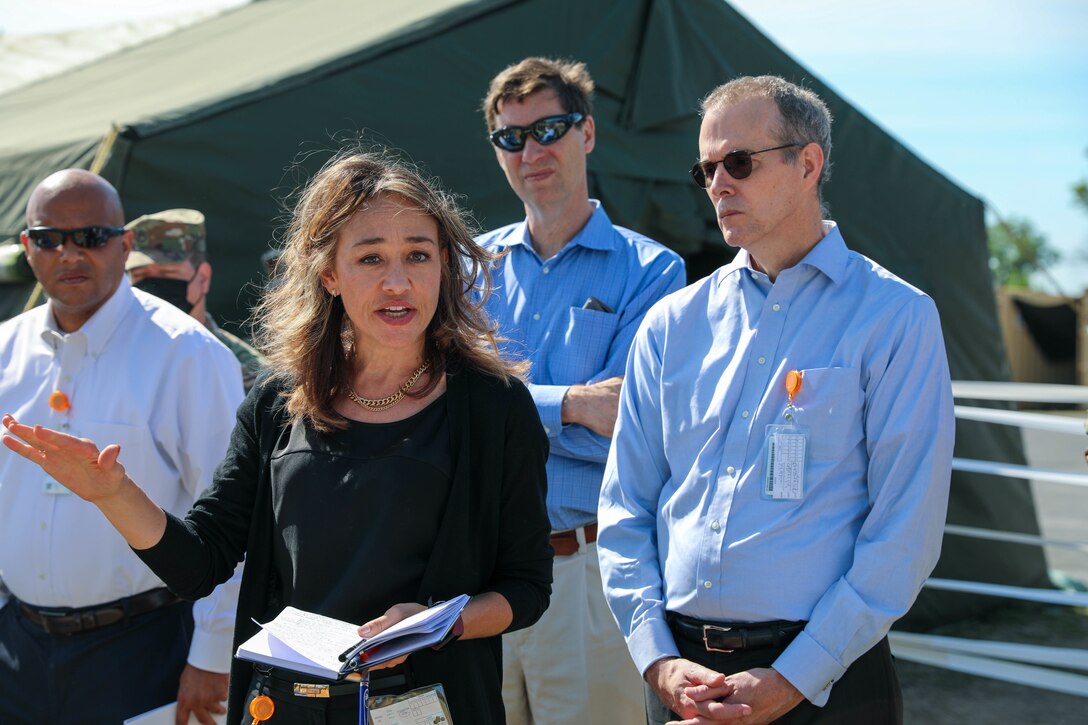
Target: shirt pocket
{"x": 831, "y": 407}
{"x": 137, "y": 449}
{"x": 586, "y": 343}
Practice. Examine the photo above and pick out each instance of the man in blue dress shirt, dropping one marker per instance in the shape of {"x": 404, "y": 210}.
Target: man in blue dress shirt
{"x": 776, "y": 492}
{"x": 570, "y": 293}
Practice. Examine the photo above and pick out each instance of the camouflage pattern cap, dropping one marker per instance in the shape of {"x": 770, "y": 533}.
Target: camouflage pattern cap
{"x": 166, "y": 237}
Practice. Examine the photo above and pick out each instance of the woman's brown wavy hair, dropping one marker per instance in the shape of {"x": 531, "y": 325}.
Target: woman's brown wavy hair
{"x": 304, "y": 331}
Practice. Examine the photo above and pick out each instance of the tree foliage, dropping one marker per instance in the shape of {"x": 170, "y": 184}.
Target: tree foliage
{"x": 1080, "y": 192}
{"x": 1017, "y": 250}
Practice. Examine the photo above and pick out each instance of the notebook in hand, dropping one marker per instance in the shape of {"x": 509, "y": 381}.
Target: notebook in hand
{"x": 324, "y": 647}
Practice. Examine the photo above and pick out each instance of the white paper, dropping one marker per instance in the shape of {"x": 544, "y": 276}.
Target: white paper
{"x": 316, "y": 638}
{"x": 310, "y": 643}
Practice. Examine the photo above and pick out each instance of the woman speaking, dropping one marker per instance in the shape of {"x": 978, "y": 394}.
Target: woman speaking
{"x": 389, "y": 459}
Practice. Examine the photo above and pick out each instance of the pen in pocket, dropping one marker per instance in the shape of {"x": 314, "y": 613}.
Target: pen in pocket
{"x": 592, "y": 303}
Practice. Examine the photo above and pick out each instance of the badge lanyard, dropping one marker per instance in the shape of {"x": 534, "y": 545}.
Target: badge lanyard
{"x": 787, "y": 448}
{"x": 364, "y": 699}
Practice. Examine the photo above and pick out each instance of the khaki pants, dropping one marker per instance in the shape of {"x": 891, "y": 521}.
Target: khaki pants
{"x": 572, "y": 666}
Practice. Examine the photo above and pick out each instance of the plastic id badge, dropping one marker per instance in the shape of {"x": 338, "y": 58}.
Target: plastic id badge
{"x": 787, "y": 453}
{"x": 422, "y": 706}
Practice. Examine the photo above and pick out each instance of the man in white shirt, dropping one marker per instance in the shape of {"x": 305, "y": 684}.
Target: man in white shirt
{"x": 87, "y": 632}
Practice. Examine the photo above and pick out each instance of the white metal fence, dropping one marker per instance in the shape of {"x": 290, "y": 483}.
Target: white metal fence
{"x": 1050, "y": 668}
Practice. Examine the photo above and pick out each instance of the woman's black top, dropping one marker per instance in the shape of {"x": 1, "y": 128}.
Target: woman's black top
{"x": 490, "y": 535}
{"x": 357, "y": 512}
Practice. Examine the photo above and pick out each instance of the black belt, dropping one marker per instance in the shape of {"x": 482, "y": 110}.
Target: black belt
{"x": 63, "y": 622}
{"x": 331, "y": 689}
{"x": 734, "y": 636}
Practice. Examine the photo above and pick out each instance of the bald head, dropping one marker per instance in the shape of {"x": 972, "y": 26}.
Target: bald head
{"x": 74, "y": 193}
{"x": 78, "y": 279}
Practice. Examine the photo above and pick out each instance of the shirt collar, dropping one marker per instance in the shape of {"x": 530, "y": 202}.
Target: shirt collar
{"x": 102, "y": 324}
{"x": 596, "y": 234}
{"x": 828, "y": 256}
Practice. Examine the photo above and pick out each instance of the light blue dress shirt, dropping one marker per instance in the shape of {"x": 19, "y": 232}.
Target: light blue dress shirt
{"x": 683, "y": 524}
{"x": 539, "y": 306}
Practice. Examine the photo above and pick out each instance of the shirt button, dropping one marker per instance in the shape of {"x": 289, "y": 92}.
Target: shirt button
{"x": 545, "y": 270}
{"x": 776, "y": 307}
{"x": 730, "y": 470}
{"x": 754, "y": 275}
{"x": 715, "y": 525}
{"x": 44, "y": 527}
{"x": 761, "y": 360}
{"x": 744, "y": 414}
{"x": 547, "y": 429}
{"x": 707, "y": 584}
{"x": 536, "y": 316}
{"x": 42, "y": 577}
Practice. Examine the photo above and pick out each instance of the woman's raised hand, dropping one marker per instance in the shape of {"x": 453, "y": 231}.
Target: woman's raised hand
{"x": 76, "y": 463}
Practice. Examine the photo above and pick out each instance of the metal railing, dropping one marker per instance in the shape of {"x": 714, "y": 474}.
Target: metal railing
{"x": 1050, "y": 668}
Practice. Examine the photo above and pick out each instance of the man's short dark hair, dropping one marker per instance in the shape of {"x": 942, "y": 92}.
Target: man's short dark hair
{"x": 569, "y": 80}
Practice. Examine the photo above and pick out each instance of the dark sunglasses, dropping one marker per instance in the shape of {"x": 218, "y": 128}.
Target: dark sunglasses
{"x": 85, "y": 237}
{"x": 737, "y": 164}
{"x": 545, "y": 130}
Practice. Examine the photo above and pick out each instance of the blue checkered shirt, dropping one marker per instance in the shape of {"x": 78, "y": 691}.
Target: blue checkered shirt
{"x": 539, "y": 306}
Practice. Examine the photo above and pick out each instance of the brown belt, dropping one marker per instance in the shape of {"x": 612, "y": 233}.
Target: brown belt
{"x": 565, "y": 543}
{"x": 73, "y": 621}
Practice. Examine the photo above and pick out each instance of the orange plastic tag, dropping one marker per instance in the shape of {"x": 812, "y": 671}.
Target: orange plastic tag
{"x": 794, "y": 378}
{"x": 261, "y": 708}
{"x": 59, "y": 402}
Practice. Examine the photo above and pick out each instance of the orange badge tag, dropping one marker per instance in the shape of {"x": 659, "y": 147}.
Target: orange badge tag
{"x": 261, "y": 708}
{"x": 794, "y": 379}
{"x": 59, "y": 402}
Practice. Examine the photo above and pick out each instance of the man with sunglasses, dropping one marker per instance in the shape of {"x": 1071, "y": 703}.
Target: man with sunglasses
{"x": 87, "y": 632}
{"x": 776, "y": 493}
{"x": 570, "y": 292}
{"x": 169, "y": 260}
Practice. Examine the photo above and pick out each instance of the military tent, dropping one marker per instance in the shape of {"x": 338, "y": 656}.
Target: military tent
{"x": 231, "y": 114}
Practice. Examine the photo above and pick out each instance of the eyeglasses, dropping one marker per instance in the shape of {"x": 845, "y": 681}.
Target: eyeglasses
{"x": 737, "y": 164}
{"x": 545, "y": 130}
{"x": 85, "y": 237}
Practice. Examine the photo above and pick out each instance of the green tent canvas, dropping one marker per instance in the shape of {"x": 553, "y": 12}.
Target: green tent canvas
{"x": 229, "y": 115}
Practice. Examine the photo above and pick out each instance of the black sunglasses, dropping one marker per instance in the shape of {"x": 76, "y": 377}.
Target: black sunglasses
{"x": 85, "y": 237}
{"x": 545, "y": 130}
{"x": 737, "y": 164}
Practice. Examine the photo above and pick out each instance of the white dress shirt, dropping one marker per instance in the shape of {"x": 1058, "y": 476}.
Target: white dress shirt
{"x": 139, "y": 373}
{"x": 684, "y": 525}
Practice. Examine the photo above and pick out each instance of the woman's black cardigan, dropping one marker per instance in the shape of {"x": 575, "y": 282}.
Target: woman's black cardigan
{"x": 493, "y": 535}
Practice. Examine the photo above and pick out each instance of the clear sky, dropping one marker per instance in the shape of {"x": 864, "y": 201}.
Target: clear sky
{"x": 994, "y": 93}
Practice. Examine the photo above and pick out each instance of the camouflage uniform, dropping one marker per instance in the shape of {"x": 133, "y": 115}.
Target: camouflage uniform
{"x": 252, "y": 362}
{"x": 177, "y": 235}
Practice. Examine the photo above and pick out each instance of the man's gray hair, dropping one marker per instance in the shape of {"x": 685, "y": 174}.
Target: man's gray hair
{"x": 804, "y": 116}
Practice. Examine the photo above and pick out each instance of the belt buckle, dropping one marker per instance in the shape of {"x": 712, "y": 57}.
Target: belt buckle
{"x": 706, "y": 643}
{"x": 307, "y": 689}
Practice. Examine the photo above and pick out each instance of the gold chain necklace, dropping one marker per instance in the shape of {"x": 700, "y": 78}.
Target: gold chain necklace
{"x": 389, "y": 401}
